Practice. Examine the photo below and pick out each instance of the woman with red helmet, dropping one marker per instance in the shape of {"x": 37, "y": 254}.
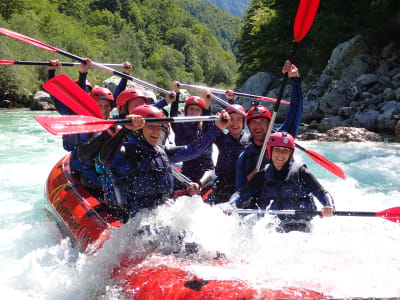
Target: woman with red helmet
{"x": 258, "y": 119}
{"x": 104, "y": 98}
{"x": 141, "y": 169}
{"x": 229, "y": 145}
{"x": 200, "y": 169}
{"x": 284, "y": 184}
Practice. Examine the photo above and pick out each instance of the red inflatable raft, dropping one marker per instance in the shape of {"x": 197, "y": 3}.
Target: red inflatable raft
{"x": 87, "y": 222}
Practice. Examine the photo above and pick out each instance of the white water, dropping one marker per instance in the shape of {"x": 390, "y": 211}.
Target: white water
{"x": 342, "y": 257}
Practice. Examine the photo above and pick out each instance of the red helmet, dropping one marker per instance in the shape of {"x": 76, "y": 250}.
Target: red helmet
{"x": 280, "y": 139}
{"x": 88, "y": 84}
{"x": 258, "y": 112}
{"x": 101, "y": 93}
{"x": 128, "y": 95}
{"x": 238, "y": 107}
{"x": 194, "y": 100}
{"x": 148, "y": 111}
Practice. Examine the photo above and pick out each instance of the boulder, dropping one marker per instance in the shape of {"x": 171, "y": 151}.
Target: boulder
{"x": 343, "y": 134}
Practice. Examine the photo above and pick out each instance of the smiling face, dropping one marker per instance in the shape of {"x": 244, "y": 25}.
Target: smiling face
{"x": 105, "y": 107}
{"x": 258, "y": 128}
{"x": 151, "y": 133}
{"x": 280, "y": 156}
{"x": 235, "y": 126}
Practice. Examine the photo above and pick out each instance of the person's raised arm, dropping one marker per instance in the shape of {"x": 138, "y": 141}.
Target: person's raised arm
{"x": 293, "y": 117}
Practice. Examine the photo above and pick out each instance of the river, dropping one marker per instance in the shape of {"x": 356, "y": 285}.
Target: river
{"x": 343, "y": 257}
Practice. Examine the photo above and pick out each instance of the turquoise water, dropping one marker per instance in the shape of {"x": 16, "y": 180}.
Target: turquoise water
{"x": 343, "y": 257}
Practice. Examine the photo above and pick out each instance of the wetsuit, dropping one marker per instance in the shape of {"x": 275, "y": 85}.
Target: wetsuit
{"x": 229, "y": 150}
{"x": 248, "y": 159}
{"x": 200, "y": 169}
{"x": 141, "y": 173}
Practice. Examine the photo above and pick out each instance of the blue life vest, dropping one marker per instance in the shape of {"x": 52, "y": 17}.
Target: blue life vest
{"x": 288, "y": 193}
{"x": 143, "y": 180}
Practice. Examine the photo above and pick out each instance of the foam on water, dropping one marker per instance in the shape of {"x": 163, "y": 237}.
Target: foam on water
{"x": 342, "y": 257}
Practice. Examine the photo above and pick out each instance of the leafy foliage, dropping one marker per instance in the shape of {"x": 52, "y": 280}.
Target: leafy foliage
{"x": 222, "y": 24}
{"x": 162, "y": 41}
{"x": 266, "y": 35}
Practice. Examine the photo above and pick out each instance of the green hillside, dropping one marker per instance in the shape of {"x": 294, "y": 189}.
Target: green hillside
{"x": 223, "y": 25}
{"x": 162, "y": 41}
{"x": 235, "y": 7}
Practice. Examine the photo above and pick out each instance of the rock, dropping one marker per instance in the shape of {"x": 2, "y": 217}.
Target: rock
{"x": 367, "y": 119}
{"x": 331, "y": 122}
{"x": 42, "y": 101}
{"x": 5, "y": 103}
{"x": 341, "y": 93}
{"x": 343, "y": 134}
{"x": 343, "y": 55}
{"x": 367, "y": 79}
{"x": 258, "y": 84}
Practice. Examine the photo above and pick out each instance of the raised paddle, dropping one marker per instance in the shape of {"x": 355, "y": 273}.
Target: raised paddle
{"x": 390, "y": 214}
{"x": 46, "y": 63}
{"x": 221, "y": 91}
{"x": 67, "y": 91}
{"x": 63, "y": 125}
{"x": 302, "y": 24}
{"x": 29, "y": 40}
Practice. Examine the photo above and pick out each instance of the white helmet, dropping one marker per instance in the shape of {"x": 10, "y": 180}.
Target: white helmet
{"x": 150, "y": 95}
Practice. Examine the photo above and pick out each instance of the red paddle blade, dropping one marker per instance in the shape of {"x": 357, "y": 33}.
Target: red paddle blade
{"x": 64, "y": 125}
{"x": 26, "y": 39}
{"x": 390, "y": 214}
{"x": 304, "y": 18}
{"x": 262, "y": 98}
{"x": 330, "y": 166}
{"x": 7, "y": 62}
{"x": 69, "y": 93}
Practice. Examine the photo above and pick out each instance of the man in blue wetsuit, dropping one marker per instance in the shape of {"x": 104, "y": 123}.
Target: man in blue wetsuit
{"x": 258, "y": 119}
{"x": 284, "y": 184}
{"x": 141, "y": 169}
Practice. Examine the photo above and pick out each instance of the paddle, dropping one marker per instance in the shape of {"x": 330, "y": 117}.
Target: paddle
{"x": 390, "y": 214}
{"x": 36, "y": 43}
{"x": 221, "y": 91}
{"x": 67, "y": 91}
{"x": 302, "y": 24}
{"x": 63, "y": 125}
{"x": 46, "y": 63}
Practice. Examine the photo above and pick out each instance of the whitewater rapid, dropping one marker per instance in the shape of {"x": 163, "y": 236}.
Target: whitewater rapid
{"x": 343, "y": 256}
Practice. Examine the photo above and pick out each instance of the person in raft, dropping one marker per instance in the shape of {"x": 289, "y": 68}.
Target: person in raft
{"x": 229, "y": 145}
{"x": 71, "y": 142}
{"x": 140, "y": 168}
{"x": 284, "y": 184}
{"x": 258, "y": 119}
{"x": 200, "y": 169}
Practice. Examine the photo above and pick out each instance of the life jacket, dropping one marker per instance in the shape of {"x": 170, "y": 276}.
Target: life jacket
{"x": 288, "y": 193}
{"x": 143, "y": 180}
